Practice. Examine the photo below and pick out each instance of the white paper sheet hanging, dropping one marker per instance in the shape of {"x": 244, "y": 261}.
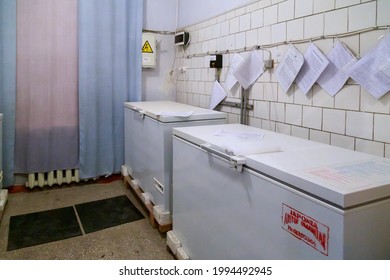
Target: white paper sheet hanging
{"x": 250, "y": 69}
{"x": 176, "y": 114}
{"x": 315, "y": 63}
{"x": 289, "y": 67}
{"x": 333, "y": 78}
{"x": 230, "y": 80}
{"x": 217, "y": 95}
{"x": 243, "y": 143}
{"x": 239, "y": 134}
{"x": 250, "y": 148}
{"x": 372, "y": 71}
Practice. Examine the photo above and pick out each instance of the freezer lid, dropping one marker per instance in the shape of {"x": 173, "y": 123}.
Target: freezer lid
{"x": 245, "y": 140}
{"x": 1, "y": 117}
{"x": 169, "y": 111}
{"x": 342, "y": 177}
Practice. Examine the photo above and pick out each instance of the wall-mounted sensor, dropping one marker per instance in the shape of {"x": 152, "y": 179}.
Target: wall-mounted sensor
{"x": 182, "y": 38}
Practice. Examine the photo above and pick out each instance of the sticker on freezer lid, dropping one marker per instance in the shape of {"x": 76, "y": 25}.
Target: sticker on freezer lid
{"x": 305, "y": 228}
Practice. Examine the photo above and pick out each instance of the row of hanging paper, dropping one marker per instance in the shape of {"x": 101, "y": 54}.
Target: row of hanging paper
{"x": 330, "y": 71}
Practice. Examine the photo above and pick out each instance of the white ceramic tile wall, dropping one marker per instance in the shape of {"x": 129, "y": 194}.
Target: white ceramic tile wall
{"x": 320, "y": 136}
{"x": 334, "y": 121}
{"x": 314, "y": 26}
{"x": 312, "y": 117}
{"x": 278, "y": 32}
{"x": 300, "y": 132}
{"x": 295, "y": 29}
{"x": 348, "y": 98}
{"x": 303, "y": 8}
{"x": 352, "y": 119}
{"x": 381, "y": 128}
{"x": 286, "y": 10}
{"x": 342, "y": 141}
{"x": 383, "y": 12}
{"x": 362, "y": 16}
{"x": 322, "y": 6}
{"x": 271, "y": 15}
{"x": 345, "y": 3}
{"x": 360, "y": 124}
{"x": 370, "y": 147}
{"x": 294, "y": 114}
{"x": 336, "y": 22}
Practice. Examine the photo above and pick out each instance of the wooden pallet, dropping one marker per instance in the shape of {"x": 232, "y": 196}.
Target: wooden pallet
{"x": 175, "y": 248}
{"x": 3, "y": 201}
{"x": 129, "y": 183}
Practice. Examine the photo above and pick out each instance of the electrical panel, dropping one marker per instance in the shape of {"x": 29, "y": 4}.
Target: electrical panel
{"x": 148, "y": 50}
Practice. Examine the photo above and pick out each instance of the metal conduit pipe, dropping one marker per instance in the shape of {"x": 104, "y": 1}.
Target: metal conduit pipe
{"x": 244, "y": 106}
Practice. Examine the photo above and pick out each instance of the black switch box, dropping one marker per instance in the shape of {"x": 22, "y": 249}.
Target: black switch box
{"x": 216, "y": 61}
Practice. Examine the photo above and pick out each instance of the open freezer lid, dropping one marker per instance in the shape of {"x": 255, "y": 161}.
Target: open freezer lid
{"x": 340, "y": 176}
{"x": 169, "y": 111}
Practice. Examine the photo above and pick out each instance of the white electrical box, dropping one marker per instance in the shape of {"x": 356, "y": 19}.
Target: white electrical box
{"x": 148, "y": 50}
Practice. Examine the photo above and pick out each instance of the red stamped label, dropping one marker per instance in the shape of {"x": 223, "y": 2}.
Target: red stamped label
{"x": 306, "y": 229}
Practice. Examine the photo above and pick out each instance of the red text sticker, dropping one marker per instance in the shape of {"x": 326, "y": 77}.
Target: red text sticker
{"x": 305, "y": 228}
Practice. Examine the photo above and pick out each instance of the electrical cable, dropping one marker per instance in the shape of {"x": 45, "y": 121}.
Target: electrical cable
{"x": 265, "y": 47}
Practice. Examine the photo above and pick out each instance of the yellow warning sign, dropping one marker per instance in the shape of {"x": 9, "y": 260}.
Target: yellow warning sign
{"x": 147, "y": 48}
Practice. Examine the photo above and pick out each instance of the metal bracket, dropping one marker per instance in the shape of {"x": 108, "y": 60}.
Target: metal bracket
{"x": 236, "y": 104}
{"x": 237, "y": 162}
{"x": 140, "y": 113}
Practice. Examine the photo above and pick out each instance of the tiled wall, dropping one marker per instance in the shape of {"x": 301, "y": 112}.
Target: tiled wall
{"x": 352, "y": 119}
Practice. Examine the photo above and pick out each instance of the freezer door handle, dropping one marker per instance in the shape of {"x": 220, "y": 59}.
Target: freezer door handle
{"x": 140, "y": 113}
{"x": 236, "y": 162}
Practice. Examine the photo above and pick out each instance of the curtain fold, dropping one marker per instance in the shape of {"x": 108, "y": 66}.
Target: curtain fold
{"x": 110, "y": 34}
{"x": 8, "y": 85}
{"x": 46, "y": 84}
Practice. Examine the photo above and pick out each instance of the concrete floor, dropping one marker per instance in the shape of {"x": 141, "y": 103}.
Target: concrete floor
{"x": 135, "y": 240}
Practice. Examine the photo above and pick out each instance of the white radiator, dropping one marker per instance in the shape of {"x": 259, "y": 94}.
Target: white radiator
{"x": 52, "y": 178}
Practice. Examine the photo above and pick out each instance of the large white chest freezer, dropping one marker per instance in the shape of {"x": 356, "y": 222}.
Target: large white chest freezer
{"x": 3, "y": 193}
{"x": 1, "y": 150}
{"x": 148, "y": 143}
{"x": 244, "y": 193}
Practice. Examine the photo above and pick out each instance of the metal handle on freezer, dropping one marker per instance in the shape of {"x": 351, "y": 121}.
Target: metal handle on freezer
{"x": 235, "y": 161}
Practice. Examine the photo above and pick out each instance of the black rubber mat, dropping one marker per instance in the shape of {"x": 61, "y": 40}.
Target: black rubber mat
{"x": 105, "y": 213}
{"x": 42, "y": 227}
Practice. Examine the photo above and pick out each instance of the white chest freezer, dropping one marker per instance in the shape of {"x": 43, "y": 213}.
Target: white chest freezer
{"x": 1, "y": 151}
{"x": 247, "y": 193}
{"x": 148, "y": 142}
{"x": 3, "y": 193}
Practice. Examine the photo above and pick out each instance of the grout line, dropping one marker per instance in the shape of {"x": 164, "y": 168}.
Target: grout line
{"x": 78, "y": 220}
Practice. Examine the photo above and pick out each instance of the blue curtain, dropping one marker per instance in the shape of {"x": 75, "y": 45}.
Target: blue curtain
{"x": 110, "y": 40}
{"x": 8, "y": 84}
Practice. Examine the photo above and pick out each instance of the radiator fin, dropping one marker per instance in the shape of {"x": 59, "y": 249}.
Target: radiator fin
{"x": 55, "y": 177}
